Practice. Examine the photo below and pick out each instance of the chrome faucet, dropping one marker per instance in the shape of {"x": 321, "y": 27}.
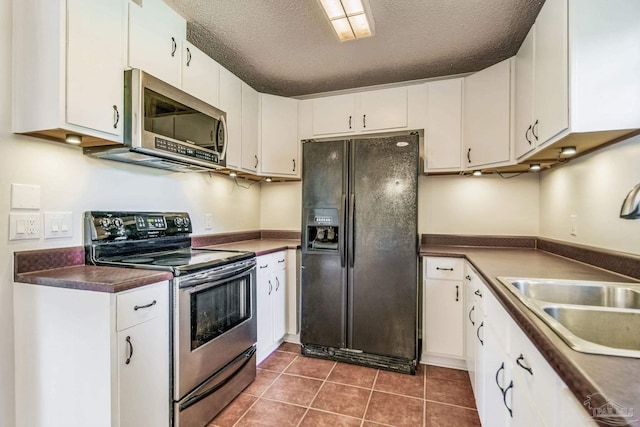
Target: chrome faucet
{"x": 631, "y": 205}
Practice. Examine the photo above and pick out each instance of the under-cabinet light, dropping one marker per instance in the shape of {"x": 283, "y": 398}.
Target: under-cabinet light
{"x": 233, "y": 174}
{"x": 72, "y": 138}
{"x": 348, "y": 18}
{"x": 477, "y": 173}
{"x": 534, "y": 167}
{"x": 568, "y": 151}
{"x": 268, "y": 179}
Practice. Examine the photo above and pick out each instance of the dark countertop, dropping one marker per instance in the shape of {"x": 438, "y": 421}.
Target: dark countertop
{"x": 94, "y": 278}
{"x": 259, "y": 246}
{"x": 614, "y": 377}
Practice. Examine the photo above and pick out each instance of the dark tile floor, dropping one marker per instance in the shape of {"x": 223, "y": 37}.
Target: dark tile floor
{"x": 293, "y": 390}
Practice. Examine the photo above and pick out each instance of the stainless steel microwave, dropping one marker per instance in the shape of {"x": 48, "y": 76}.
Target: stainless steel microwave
{"x": 166, "y": 128}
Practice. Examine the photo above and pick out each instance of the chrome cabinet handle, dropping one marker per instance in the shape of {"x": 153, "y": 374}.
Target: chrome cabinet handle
{"x": 270, "y": 287}
{"x": 174, "y": 46}
{"x": 128, "y": 340}
{"x": 526, "y": 134}
{"x": 151, "y": 304}
{"x": 478, "y": 333}
{"x": 457, "y": 293}
{"x": 188, "y": 57}
{"x": 444, "y": 269}
{"x": 364, "y": 120}
{"x": 533, "y": 130}
{"x": 470, "y": 319}
{"x": 349, "y": 122}
{"x": 477, "y": 292}
{"x": 116, "y": 117}
{"x": 277, "y": 284}
{"x": 525, "y": 367}
{"x": 469, "y": 155}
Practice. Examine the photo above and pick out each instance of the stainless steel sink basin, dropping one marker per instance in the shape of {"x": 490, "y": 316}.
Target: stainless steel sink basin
{"x": 582, "y": 293}
{"x": 591, "y": 317}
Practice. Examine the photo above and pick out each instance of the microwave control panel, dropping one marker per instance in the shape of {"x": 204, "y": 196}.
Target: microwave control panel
{"x": 184, "y": 150}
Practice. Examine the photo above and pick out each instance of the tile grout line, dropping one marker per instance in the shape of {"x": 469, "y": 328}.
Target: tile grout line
{"x": 317, "y": 392}
{"x": 366, "y": 408}
{"x": 451, "y": 404}
{"x": 265, "y": 390}
{"x": 424, "y": 396}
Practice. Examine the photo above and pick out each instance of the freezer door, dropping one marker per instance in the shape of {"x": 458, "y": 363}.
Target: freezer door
{"x": 382, "y": 253}
{"x": 323, "y": 279}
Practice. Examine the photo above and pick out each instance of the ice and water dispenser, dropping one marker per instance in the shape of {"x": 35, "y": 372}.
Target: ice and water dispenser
{"x": 323, "y": 230}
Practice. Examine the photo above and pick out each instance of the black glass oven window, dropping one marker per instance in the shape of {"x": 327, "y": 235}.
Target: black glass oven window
{"x": 172, "y": 119}
{"x": 216, "y": 310}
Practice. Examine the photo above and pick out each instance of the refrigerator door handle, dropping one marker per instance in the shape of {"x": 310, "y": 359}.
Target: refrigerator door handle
{"x": 341, "y": 242}
{"x": 352, "y": 229}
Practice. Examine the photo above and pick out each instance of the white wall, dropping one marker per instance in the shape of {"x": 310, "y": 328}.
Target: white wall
{"x": 70, "y": 181}
{"x": 281, "y": 206}
{"x": 593, "y": 188}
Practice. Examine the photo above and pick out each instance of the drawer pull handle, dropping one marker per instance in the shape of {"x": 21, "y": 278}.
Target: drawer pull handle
{"x": 128, "y": 340}
{"x": 444, "y": 269}
{"x": 280, "y": 261}
{"x": 151, "y": 304}
{"x": 477, "y": 292}
{"x": 264, "y": 266}
{"x": 478, "y": 333}
{"x": 457, "y": 293}
{"x": 470, "y": 319}
{"x": 525, "y": 367}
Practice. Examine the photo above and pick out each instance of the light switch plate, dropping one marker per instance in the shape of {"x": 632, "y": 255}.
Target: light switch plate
{"x": 208, "y": 221}
{"x": 24, "y": 226}
{"x": 58, "y": 224}
{"x": 574, "y": 224}
{"x": 25, "y": 196}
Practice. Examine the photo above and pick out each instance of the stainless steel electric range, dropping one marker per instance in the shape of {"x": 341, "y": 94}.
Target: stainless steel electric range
{"x": 213, "y": 326}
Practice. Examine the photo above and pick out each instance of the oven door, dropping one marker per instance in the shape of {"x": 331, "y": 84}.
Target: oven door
{"x": 214, "y": 322}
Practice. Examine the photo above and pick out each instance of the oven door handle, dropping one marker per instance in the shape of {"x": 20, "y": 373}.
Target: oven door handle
{"x": 219, "y": 380}
{"x": 203, "y": 280}
{"x": 194, "y": 288}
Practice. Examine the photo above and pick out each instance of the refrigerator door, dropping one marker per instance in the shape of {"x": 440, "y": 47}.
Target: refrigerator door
{"x": 382, "y": 251}
{"x": 323, "y": 264}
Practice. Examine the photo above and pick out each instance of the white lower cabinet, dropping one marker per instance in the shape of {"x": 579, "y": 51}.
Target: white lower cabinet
{"x": 271, "y": 302}
{"x": 93, "y": 358}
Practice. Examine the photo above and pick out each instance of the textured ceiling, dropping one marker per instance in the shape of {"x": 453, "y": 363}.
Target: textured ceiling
{"x": 287, "y": 47}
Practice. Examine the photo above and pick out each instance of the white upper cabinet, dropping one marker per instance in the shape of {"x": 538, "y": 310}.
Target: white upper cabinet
{"x": 200, "y": 74}
{"x": 443, "y": 131}
{"x": 487, "y": 116}
{"x": 68, "y": 68}
{"x": 334, "y": 114}
{"x": 382, "y": 109}
{"x": 279, "y": 143}
{"x": 250, "y": 128}
{"x": 231, "y": 103}
{"x": 524, "y": 139}
{"x": 155, "y": 36}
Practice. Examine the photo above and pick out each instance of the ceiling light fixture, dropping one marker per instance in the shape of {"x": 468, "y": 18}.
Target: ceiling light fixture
{"x": 72, "y": 138}
{"x": 534, "y": 167}
{"x": 350, "y": 19}
{"x": 568, "y": 151}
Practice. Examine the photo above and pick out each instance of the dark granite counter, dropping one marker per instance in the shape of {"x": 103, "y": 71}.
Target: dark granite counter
{"x": 614, "y": 377}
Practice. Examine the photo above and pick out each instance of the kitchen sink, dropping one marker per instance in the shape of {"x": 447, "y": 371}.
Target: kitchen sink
{"x": 601, "y": 294}
{"x": 591, "y": 317}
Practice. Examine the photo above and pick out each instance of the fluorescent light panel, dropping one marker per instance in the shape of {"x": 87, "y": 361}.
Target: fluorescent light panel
{"x": 348, "y": 18}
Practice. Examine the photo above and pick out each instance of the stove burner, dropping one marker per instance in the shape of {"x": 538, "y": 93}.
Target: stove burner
{"x": 137, "y": 260}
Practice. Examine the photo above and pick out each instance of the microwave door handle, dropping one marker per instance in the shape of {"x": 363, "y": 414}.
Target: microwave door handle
{"x": 226, "y": 137}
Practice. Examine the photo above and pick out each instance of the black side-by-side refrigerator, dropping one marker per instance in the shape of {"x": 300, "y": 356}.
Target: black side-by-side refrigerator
{"x": 359, "y": 275}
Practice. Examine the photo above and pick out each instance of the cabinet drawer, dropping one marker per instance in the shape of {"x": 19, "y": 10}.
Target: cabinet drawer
{"x": 140, "y": 305}
{"x": 445, "y": 268}
{"x": 279, "y": 260}
{"x": 264, "y": 263}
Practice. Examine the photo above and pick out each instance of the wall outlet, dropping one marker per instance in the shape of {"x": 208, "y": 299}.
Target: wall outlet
{"x": 574, "y": 224}
{"x": 58, "y": 224}
{"x": 23, "y": 226}
{"x": 208, "y": 221}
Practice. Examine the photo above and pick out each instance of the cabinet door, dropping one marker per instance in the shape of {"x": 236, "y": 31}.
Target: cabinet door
{"x": 263, "y": 306}
{"x": 443, "y": 318}
{"x": 524, "y": 139}
{"x": 382, "y": 109}
{"x": 471, "y": 322}
{"x": 143, "y": 374}
{"x": 495, "y": 373}
{"x": 443, "y": 133}
{"x": 95, "y": 79}
{"x": 231, "y": 103}
{"x": 279, "y": 136}
{"x": 551, "y": 93}
{"x": 279, "y": 304}
{"x": 334, "y": 114}
{"x": 487, "y": 112}
{"x": 199, "y": 74}
{"x": 155, "y": 34}
{"x": 250, "y": 116}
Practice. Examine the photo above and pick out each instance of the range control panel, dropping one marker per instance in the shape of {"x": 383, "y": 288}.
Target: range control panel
{"x": 184, "y": 150}
{"x": 102, "y": 225}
